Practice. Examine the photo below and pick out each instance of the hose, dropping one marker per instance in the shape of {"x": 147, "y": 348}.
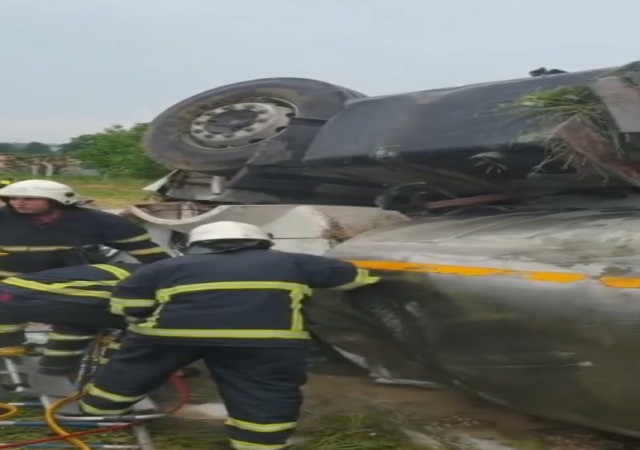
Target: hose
{"x": 179, "y": 386}
{"x": 49, "y": 417}
{"x": 10, "y": 352}
{"x": 10, "y": 411}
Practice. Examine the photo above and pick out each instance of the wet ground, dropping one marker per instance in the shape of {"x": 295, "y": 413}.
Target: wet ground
{"x": 441, "y": 419}
{"x": 347, "y": 410}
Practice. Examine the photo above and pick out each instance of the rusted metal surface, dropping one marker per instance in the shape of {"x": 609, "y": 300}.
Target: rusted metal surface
{"x": 468, "y": 201}
{"x": 622, "y": 100}
{"x": 591, "y": 146}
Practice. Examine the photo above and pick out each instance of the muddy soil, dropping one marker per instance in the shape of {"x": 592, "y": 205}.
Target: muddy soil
{"x": 436, "y": 419}
{"x": 433, "y": 416}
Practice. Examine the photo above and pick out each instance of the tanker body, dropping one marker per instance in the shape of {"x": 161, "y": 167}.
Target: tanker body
{"x": 502, "y": 217}
{"x": 535, "y": 310}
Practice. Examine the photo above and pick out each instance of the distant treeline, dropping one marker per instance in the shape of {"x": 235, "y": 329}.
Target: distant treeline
{"x": 32, "y": 148}
{"x": 116, "y": 150}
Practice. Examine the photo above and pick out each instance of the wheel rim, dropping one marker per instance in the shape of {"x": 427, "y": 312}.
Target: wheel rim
{"x": 243, "y": 123}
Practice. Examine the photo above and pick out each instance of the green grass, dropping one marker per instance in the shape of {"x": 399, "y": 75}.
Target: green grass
{"x": 563, "y": 103}
{"x": 108, "y": 192}
{"x": 355, "y": 430}
{"x": 553, "y": 107}
{"x": 12, "y": 434}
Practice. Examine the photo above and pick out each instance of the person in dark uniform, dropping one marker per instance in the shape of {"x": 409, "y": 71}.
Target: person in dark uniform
{"x": 75, "y": 300}
{"x": 238, "y": 305}
{"x": 42, "y": 228}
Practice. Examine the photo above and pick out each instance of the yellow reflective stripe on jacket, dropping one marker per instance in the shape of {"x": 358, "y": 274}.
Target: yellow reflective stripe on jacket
{"x": 260, "y": 427}
{"x": 117, "y": 310}
{"x": 95, "y": 391}
{"x": 165, "y": 294}
{"x": 33, "y": 248}
{"x": 118, "y": 272}
{"x": 362, "y": 278}
{"x": 140, "y": 237}
{"x": 12, "y": 328}
{"x": 34, "y": 285}
{"x": 118, "y": 305}
{"x": 297, "y": 321}
{"x": 133, "y": 302}
{"x": 146, "y": 251}
{"x": 297, "y": 293}
{"x": 82, "y": 284}
{"x": 242, "y": 445}
{"x": 147, "y": 330}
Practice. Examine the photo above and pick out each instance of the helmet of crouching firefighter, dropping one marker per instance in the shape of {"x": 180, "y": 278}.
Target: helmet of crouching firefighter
{"x": 227, "y": 236}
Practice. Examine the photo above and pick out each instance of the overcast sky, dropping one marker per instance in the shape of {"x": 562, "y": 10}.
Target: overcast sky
{"x": 75, "y": 66}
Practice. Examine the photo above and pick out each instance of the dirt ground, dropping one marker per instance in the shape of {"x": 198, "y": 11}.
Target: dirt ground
{"x": 441, "y": 419}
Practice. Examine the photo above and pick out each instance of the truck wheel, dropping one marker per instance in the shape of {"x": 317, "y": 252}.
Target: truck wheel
{"x": 221, "y": 129}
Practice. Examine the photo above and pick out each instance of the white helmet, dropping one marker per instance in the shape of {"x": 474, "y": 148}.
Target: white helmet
{"x": 41, "y": 189}
{"x": 227, "y": 230}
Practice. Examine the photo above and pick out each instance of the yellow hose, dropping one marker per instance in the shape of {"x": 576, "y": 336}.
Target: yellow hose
{"x": 49, "y": 417}
{"x": 11, "y": 411}
{"x": 10, "y": 352}
{"x": 50, "y": 411}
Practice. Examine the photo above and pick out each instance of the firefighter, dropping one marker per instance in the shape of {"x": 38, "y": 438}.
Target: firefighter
{"x": 235, "y": 303}
{"x": 73, "y": 299}
{"x": 42, "y": 228}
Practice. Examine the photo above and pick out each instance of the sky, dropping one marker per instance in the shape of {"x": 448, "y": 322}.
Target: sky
{"x": 71, "y": 67}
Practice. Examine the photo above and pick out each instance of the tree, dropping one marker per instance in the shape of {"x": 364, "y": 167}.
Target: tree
{"x": 76, "y": 143}
{"x": 6, "y": 147}
{"x": 115, "y": 151}
{"x": 36, "y": 148}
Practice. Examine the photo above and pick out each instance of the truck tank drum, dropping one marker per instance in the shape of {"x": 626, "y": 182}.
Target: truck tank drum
{"x": 538, "y": 311}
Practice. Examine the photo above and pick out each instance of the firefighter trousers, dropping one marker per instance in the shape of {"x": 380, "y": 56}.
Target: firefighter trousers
{"x": 74, "y": 327}
{"x": 260, "y": 386}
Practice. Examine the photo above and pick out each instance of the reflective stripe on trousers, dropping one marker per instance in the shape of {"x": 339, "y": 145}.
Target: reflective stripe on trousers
{"x": 12, "y": 334}
{"x": 65, "y": 349}
{"x": 241, "y": 445}
{"x": 261, "y": 385}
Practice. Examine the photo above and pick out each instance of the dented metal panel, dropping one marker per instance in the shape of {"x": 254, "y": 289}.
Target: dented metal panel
{"x": 468, "y": 140}
{"x": 537, "y": 311}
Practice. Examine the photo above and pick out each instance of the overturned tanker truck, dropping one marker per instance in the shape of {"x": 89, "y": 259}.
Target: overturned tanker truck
{"x": 504, "y": 216}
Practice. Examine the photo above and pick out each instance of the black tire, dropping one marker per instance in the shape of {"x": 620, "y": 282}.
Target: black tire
{"x": 172, "y": 141}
